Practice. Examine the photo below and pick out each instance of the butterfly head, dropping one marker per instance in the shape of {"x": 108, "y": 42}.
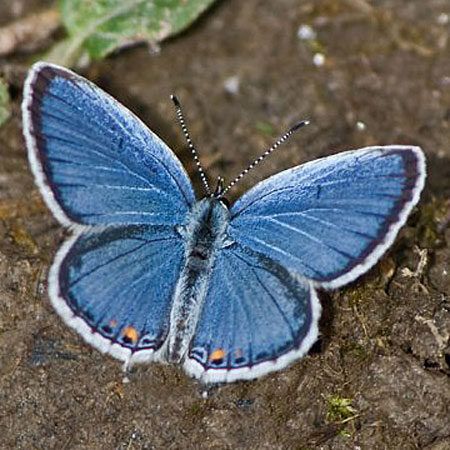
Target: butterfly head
{"x": 219, "y": 191}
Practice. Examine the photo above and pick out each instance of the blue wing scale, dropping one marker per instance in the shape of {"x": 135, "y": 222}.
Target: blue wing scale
{"x": 128, "y": 313}
{"x": 332, "y": 219}
{"x": 95, "y": 162}
{"x": 257, "y": 318}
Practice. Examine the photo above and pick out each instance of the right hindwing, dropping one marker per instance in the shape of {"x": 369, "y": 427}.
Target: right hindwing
{"x": 257, "y": 318}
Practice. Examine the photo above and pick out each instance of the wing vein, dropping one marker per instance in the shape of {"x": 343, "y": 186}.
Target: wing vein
{"x": 277, "y": 306}
{"x": 116, "y": 258}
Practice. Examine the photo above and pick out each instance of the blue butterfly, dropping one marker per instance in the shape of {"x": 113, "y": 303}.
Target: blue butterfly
{"x": 150, "y": 273}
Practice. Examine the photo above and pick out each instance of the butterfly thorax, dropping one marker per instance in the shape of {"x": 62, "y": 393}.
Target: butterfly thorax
{"x": 205, "y": 232}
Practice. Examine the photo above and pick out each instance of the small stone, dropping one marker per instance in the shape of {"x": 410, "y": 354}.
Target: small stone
{"x": 319, "y": 59}
{"x": 306, "y": 33}
{"x": 443, "y": 19}
{"x": 360, "y": 126}
{"x": 232, "y": 85}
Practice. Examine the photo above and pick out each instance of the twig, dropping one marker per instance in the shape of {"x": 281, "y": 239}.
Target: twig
{"x": 30, "y": 33}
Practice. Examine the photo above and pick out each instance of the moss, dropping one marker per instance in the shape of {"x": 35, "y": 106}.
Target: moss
{"x": 20, "y": 236}
{"x": 5, "y": 107}
{"x": 358, "y": 294}
{"x": 340, "y": 409}
{"x": 355, "y": 351}
{"x": 265, "y": 128}
{"x": 431, "y": 214}
{"x": 197, "y": 409}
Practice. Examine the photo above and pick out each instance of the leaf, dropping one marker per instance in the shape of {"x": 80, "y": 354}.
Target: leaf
{"x": 265, "y": 128}
{"x": 5, "y": 111}
{"x": 98, "y": 27}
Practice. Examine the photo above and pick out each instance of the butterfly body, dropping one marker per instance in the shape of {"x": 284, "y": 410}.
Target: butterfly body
{"x": 204, "y": 234}
{"x": 149, "y": 273}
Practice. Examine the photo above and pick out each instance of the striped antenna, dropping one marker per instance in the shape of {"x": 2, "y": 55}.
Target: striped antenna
{"x": 180, "y": 117}
{"x": 280, "y": 141}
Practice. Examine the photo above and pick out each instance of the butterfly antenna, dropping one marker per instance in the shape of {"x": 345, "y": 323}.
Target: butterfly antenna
{"x": 180, "y": 117}
{"x": 280, "y": 141}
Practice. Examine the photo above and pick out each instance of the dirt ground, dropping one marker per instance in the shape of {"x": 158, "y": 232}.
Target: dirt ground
{"x": 378, "y": 378}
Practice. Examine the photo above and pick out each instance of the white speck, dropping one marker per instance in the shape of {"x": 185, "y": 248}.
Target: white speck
{"x": 360, "y": 126}
{"x": 306, "y": 33}
{"x": 445, "y": 81}
{"x": 232, "y": 85}
{"x": 205, "y": 394}
{"x": 125, "y": 380}
{"x": 319, "y": 59}
{"x": 443, "y": 19}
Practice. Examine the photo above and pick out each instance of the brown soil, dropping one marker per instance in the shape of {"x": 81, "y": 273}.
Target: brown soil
{"x": 379, "y": 376}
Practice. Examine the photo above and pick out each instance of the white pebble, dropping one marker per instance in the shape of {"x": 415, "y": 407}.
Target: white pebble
{"x": 443, "y": 19}
{"x": 232, "y": 85}
{"x": 306, "y": 33}
{"x": 360, "y": 126}
{"x": 319, "y": 59}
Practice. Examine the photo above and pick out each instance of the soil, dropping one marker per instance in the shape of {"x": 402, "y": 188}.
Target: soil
{"x": 378, "y": 378}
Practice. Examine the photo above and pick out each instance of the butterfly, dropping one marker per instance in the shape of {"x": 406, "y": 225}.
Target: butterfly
{"x": 151, "y": 273}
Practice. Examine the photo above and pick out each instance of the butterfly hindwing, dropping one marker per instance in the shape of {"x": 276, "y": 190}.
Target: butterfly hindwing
{"x": 330, "y": 220}
{"x": 115, "y": 286}
{"x": 257, "y": 318}
{"x": 94, "y": 161}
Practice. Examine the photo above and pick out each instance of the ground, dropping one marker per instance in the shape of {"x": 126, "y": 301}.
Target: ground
{"x": 378, "y": 378}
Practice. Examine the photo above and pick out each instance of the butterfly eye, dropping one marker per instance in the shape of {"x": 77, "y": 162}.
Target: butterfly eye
{"x": 130, "y": 335}
{"x": 216, "y": 357}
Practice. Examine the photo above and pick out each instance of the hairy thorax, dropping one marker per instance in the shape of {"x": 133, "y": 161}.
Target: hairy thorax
{"x": 205, "y": 232}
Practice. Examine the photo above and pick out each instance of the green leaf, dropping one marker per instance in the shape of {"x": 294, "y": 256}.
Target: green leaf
{"x": 98, "y": 27}
{"x": 5, "y": 110}
{"x": 265, "y": 128}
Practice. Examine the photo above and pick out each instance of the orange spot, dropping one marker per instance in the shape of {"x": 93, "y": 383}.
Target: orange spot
{"x": 131, "y": 334}
{"x": 113, "y": 323}
{"x": 217, "y": 355}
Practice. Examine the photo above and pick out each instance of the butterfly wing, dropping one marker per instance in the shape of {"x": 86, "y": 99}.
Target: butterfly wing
{"x": 94, "y": 161}
{"x": 115, "y": 286}
{"x": 257, "y": 318}
{"x": 121, "y": 190}
{"x": 330, "y": 220}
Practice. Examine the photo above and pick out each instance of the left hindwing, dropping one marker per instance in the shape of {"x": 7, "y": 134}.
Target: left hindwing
{"x": 331, "y": 220}
{"x": 115, "y": 286}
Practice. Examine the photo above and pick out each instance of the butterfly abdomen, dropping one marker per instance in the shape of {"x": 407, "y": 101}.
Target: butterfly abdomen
{"x": 204, "y": 233}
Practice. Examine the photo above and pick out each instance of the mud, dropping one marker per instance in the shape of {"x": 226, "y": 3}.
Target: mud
{"x": 378, "y": 378}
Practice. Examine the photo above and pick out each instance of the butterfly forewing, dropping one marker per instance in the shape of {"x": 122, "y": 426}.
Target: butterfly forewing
{"x": 123, "y": 192}
{"x": 95, "y": 162}
{"x": 330, "y": 220}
